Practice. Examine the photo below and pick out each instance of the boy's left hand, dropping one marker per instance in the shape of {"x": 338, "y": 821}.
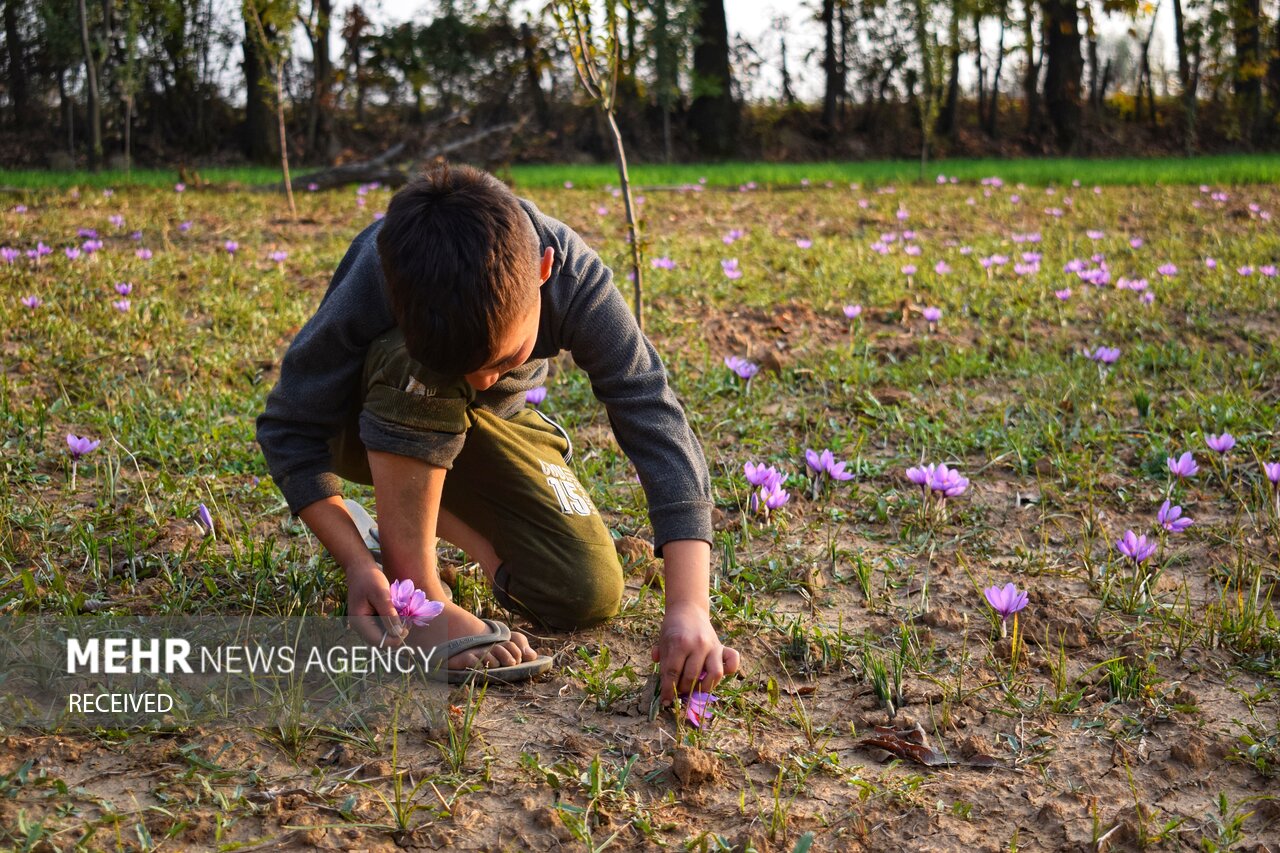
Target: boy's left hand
{"x": 687, "y": 647}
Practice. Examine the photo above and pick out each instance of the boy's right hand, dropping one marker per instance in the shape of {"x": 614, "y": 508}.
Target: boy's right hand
{"x": 368, "y": 601}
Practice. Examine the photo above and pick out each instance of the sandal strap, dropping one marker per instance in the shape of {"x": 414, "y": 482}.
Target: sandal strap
{"x": 499, "y": 632}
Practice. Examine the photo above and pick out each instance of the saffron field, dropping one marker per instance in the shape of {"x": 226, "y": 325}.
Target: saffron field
{"x": 910, "y": 396}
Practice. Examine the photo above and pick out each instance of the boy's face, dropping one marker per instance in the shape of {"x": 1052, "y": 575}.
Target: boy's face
{"x": 516, "y": 343}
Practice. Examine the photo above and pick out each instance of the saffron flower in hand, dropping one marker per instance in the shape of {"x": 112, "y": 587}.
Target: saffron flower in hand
{"x": 412, "y": 604}
{"x": 1220, "y": 443}
{"x": 1135, "y": 547}
{"x": 1172, "y": 519}
{"x": 1184, "y": 466}
{"x": 745, "y": 369}
{"x": 1005, "y": 600}
{"x": 535, "y": 396}
{"x": 695, "y": 707}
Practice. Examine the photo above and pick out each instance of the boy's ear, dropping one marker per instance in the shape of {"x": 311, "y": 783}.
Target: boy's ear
{"x": 544, "y": 268}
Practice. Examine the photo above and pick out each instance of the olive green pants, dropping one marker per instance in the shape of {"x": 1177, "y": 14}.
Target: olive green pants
{"x": 511, "y": 482}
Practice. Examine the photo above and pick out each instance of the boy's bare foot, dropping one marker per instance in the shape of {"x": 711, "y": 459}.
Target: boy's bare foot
{"x": 455, "y": 622}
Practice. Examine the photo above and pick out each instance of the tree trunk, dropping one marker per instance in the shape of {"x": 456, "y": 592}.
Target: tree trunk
{"x": 830, "y": 98}
{"x": 18, "y": 88}
{"x": 533, "y": 77}
{"x": 788, "y": 94}
{"x": 947, "y": 123}
{"x": 257, "y": 142}
{"x": 713, "y": 115}
{"x": 1246, "y": 19}
{"x": 91, "y": 92}
{"x": 993, "y": 103}
{"x": 68, "y": 113}
{"x": 982, "y": 82}
{"x": 1031, "y": 74}
{"x": 1185, "y": 81}
{"x": 1273, "y": 71}
{"x": 1064, "y": 69}
{"x": 1146, "y": 69}
{"x": 1091, "y": 61}
{"x": 319, "y": 124}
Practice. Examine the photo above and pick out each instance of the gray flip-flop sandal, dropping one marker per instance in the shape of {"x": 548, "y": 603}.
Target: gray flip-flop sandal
{"x": 498, "y": 633}
{"x": 365, "y": 524}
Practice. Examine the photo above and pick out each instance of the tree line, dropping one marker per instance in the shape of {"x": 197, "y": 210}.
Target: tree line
{"x": 110, "y": 82}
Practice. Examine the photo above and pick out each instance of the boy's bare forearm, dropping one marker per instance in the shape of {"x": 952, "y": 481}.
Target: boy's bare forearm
{"x": 408, "y": 494}
{"x": 332, "y": 525}
{"x": 687, "y": 573}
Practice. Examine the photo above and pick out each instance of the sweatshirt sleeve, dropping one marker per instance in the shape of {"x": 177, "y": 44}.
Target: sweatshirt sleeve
{"x": 320, "y": 377}
{"x": 628, "y": 377}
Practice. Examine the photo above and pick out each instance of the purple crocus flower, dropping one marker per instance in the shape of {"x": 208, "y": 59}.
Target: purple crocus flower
{"x": 695, "y": 706}
{"x": 804, "y": 243}
{"x": 412, "y": 604}
{"x": 1005, "y": 600}
{"x": 663, "y": 263}
{"x": 278, "y": 256}
{"x": 1063, "y": 295}
{"x": 774, "y": 498}
{"x": 535, "y": 396}
{"x": 231, "y": 246}
{"x": 825, "y": 463}
{"x": 9, "y": 255}
{"x": 1172, "y": 519}
{"x": 1211, "y": 263}
{"x": 731, "y": 268}
{"x": 932, "y": 315}
{"x": 908, "y": 269}
{"x": 1105, "y": 355}
{"x": 1167, "y": 270}
{"x": 1272, "y": 470}
{"x": 762, "y": 475}
{"x": 204, "y": 519}
{"x": 745, "y": 369}
{"x": 1184, "y": 466}
{"x": 80, "y": 446}
{"x": 124, "y": 288}
{"x": 1220, "y": 443}
{"x": 184, "y": 227}
{"x": 947, "y": 481}
{"x": 942, "y": 268}
{"x": 87, "y": 233}
{"x": 920, "y": 475}
{"x": 71, "y": 252}
{"x": 852, "y": 312}
{"x": 32, "y": 302}
{"x": 1136, "y": 548}
{"x": 179, "y": 187}
{"x": 143, "y": 254}
{"x": 121, "y": 305}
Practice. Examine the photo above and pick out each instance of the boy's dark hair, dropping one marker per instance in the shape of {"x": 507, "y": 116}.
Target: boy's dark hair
{"x": 461, "y": 260}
